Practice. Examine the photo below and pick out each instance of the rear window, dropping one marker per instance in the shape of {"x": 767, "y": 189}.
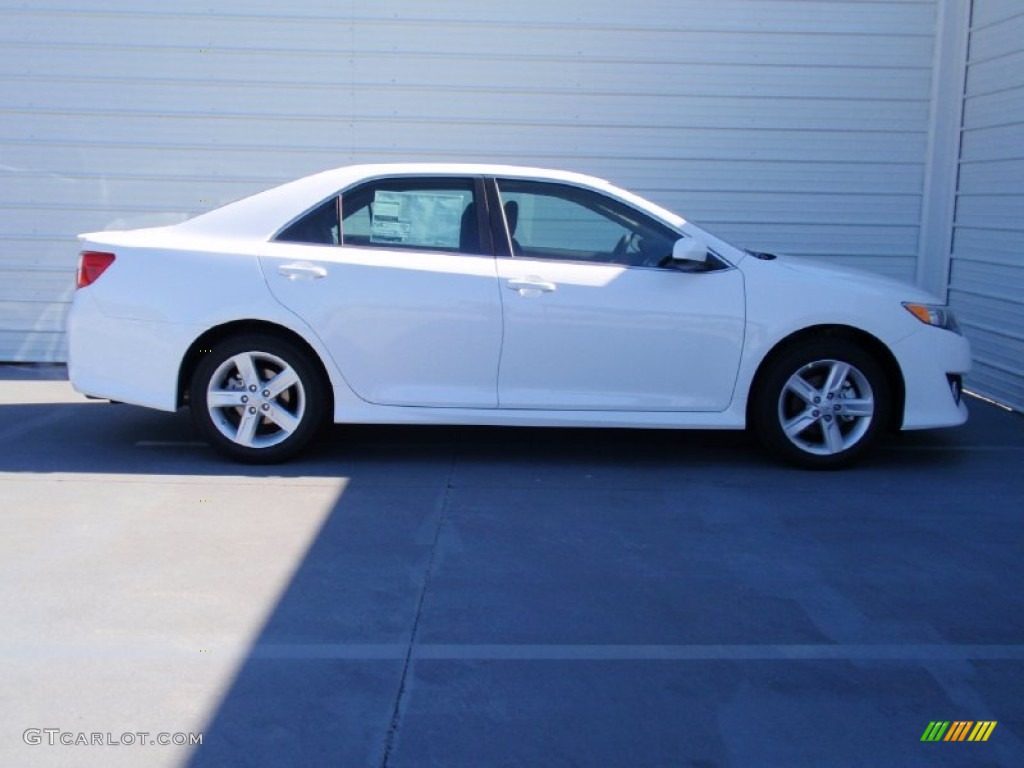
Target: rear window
{"x": 418, "y": 214}
{"x": 319, "y": 226}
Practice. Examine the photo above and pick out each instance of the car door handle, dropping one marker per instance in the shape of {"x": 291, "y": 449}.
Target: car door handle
{"x": 301, "y": 271}
{"x": 530, "y": 286}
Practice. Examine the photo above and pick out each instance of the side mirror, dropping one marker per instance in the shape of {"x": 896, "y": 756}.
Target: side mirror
{"x": 690, "y": 251}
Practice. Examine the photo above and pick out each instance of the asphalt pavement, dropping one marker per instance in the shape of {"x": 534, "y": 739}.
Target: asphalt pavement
{"x": 500, "y": 597}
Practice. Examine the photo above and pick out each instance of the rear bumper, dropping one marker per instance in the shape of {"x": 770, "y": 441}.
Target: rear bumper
{"x": 131, "y": 361}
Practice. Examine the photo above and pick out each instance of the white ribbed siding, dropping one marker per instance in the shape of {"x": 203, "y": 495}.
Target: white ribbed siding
{"x": 987, "y": 265}
{"x": 791, "y": 125}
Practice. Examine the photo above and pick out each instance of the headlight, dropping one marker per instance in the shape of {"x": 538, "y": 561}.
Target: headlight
{"x": 933, "y": 314}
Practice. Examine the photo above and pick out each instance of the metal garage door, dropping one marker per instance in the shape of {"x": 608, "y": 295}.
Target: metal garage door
{"x": 987, "y": 266}
{"x": 792, "y": 125}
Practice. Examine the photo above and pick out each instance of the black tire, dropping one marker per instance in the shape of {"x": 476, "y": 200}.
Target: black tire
{"x": 821, "y": 404}
{"x": 256, "y": 424}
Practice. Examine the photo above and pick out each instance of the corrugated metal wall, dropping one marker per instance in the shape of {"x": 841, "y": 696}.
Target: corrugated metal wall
{"x": 987, "y": 268}
{"x": 793, "y": 125}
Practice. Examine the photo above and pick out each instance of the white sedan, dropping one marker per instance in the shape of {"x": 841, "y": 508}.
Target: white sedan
{"x": 485, "y": 294}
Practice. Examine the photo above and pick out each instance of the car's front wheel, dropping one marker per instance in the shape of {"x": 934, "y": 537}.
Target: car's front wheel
{"x": 257, "y": 398}
{"x": 821, "y": 404}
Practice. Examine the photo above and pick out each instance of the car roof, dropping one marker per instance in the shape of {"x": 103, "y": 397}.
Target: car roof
{"x": 261, "y": 215}
{"x": 351, "y": 173}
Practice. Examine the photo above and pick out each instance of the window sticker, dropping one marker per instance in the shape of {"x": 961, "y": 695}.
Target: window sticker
{"x": 417, "y": 219}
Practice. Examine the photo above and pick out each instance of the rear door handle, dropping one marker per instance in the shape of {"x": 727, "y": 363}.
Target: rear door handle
{"x": 301, "y": 271}
{"x": 530, "y": 286}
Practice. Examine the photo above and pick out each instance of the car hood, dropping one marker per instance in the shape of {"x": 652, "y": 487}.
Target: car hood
{"x": 858, "y": 279}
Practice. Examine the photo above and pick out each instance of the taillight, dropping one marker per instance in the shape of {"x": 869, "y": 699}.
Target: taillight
{"x": 92, "y": 264}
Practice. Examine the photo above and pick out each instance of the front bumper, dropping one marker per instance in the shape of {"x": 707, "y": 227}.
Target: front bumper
{"x": 933, "y": 362}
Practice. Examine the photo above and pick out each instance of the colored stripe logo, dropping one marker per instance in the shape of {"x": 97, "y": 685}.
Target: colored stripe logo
{"x": 958, "y": 730}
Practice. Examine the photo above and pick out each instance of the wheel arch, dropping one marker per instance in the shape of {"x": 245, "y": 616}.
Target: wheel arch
{"x": 871, "y": 344}
{"x": 218, "y": 333}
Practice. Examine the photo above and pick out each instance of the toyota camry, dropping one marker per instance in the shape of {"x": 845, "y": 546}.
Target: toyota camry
{"x": 486, "y": 294}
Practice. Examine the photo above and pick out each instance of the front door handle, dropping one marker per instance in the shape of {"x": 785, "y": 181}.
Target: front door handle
{"x": 530, "y": 286}
{"x": 302, "y": 270}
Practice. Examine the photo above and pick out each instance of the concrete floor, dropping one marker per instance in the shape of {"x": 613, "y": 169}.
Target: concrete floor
{"x": 501, "y": 597}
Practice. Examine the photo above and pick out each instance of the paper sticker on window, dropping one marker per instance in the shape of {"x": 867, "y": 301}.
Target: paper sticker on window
{"x": 417, "y": 219}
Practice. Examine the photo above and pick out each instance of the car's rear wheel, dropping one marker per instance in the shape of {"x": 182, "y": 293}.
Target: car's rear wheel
{"x": 821, "y": 404}
{"x": 258, "y": 398}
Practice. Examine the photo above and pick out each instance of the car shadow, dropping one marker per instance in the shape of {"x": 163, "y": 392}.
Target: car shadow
{"x": 102, "y": 437}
